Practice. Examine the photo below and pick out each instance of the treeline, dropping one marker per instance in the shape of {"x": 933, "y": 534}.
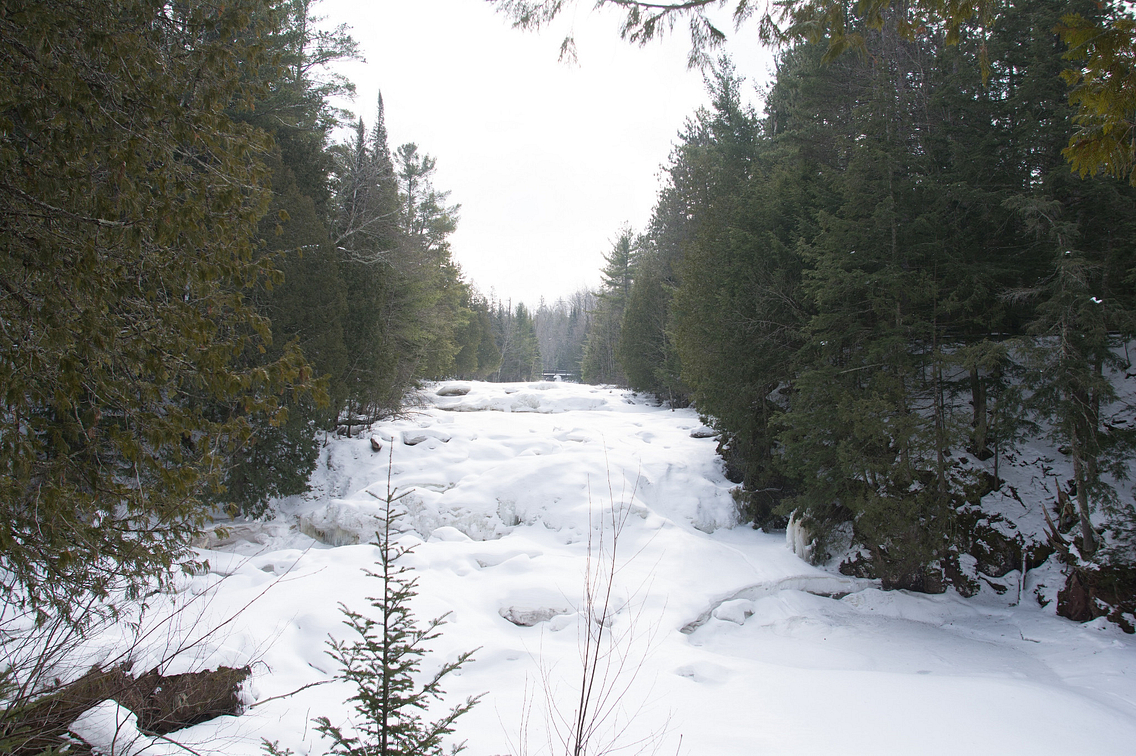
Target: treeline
{"x": 195, "y": 280}
{"x": 549, "y": 339}
{"x": 880, "y": 286}
{"x": 365, "y": 285}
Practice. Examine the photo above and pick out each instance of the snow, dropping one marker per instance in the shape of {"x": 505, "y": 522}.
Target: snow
{"x": 111, "y": 730}
{"x": 725, "y": 641}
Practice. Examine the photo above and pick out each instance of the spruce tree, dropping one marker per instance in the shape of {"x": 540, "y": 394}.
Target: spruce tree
{"x": 1080, "y": 233}
{"x": 600, "y": 363}
{"x": 368, "y": 236}
{"x": 647, "y": 352}
{"x": 477, "y": 356}
{"x": 432, "y": 290}
{"x": 732, "y": 215}
{"x": 383, "y": 662}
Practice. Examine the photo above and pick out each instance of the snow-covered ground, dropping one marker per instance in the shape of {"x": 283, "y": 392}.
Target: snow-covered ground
{"x": 725, "y": 642}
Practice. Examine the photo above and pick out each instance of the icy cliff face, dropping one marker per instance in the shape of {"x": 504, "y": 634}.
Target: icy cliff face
{"x": 798, "y": 539}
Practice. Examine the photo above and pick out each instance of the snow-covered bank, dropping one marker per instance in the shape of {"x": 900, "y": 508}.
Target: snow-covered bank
{"x": 733, "y": 644}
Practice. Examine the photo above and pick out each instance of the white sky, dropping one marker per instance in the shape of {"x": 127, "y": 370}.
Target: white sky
{"x": 546, "y": 160}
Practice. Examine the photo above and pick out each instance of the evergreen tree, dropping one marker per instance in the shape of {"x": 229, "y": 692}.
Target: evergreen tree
{"x": 647, "y": 352}
{"x": 517, "y": 343}
{"x": 383, "y": 662}
{"x": 488, "y": 355}
{"x": 478, "y": 356}
{"x": 600, "y": 363}
{"x": 1081, "y": 235}
{"x": 732, "y": 215}
{"x": 1104, "y": 40}
{"x": 305, "y": 301}
{"x": 408, "y": 310}
{"x": 429, "y": 280}
{"x": 126, "y": 258}
{"x": 468, "y": 340}
{"x": 1081, "y": 326}
{"x": 867, "y": 417}
{"x": 369, "y": 238}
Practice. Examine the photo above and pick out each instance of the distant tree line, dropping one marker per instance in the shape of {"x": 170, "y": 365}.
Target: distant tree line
{"x": 892, "y": 266}
{"x": 547, "y": 340}
{"x": 561, "y": 330}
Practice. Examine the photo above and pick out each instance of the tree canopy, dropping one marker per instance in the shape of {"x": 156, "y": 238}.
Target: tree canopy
{"x": 193, "y": 279}
{"x": 875, "y": 289}
{"x": 1101, "y": 47}
{"x": 131, "y": 200}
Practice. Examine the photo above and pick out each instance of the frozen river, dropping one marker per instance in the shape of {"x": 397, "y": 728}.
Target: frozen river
{"x": 723, "y": 641}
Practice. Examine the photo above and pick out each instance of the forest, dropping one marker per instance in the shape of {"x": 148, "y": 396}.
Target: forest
{"x": 916, "y": 253}
{"x": 202, "y": 278}
{"x": 883, "y": 283}
{"x": 197, "y": 279}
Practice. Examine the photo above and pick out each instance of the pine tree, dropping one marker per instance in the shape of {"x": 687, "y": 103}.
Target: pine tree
{"x": 369, "y": 237}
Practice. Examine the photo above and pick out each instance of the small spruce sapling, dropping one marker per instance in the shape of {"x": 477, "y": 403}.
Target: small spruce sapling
{"x": 383, "y": 662}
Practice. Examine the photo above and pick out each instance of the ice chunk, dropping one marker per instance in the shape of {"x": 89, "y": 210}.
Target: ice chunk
{"x": 734, "y": 611}
{"x": 342, "y": 523}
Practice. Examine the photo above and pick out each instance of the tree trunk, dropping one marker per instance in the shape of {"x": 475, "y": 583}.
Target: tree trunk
{"x": 1088, "y": 535}
{"x": 1083, "y": 470}
{"x": 980, "y": 423}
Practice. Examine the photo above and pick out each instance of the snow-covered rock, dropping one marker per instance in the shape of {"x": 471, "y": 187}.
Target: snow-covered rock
{"x": 417, "y": 436}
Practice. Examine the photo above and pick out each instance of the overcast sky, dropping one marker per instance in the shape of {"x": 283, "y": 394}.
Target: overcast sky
{"x": 547, "y": 160}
